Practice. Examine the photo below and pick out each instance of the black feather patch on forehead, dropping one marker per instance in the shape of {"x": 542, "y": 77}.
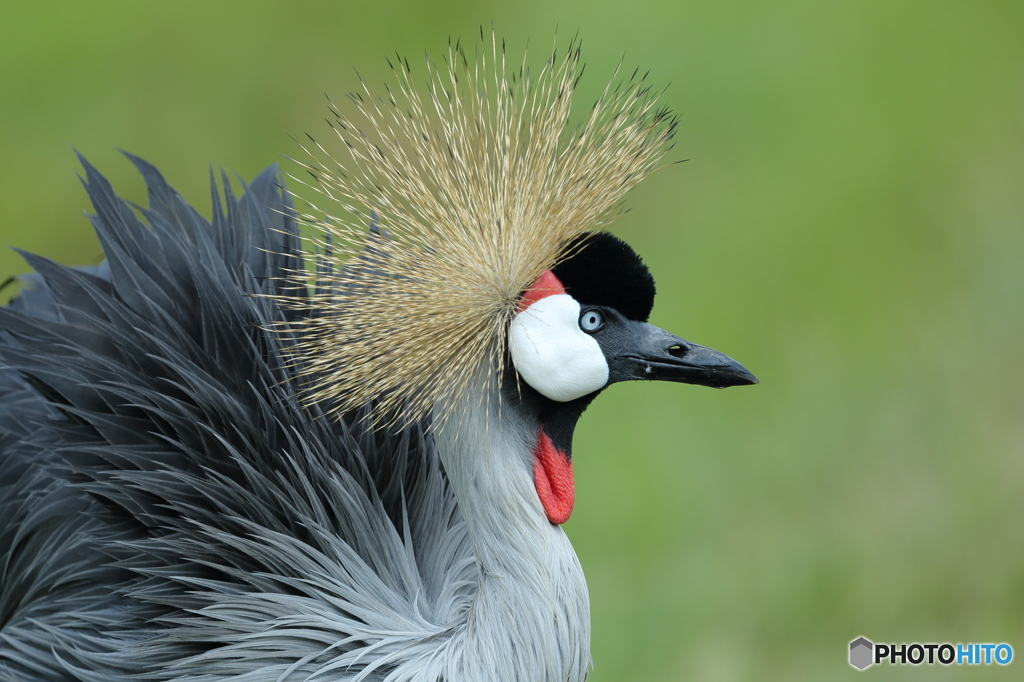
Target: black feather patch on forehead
{"x": 605, "y": 271}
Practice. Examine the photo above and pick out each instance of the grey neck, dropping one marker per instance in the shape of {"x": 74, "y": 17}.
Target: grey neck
{"x": 530, "y": 621}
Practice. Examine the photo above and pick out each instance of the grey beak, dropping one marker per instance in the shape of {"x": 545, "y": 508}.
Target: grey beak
{"x": 646, "y": 352}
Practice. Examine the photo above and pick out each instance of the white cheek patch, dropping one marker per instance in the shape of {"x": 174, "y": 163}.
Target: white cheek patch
{"x": 552, "y": 353}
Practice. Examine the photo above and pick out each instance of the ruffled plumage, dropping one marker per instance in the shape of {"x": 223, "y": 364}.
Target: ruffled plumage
{"x": 169, "y": 510}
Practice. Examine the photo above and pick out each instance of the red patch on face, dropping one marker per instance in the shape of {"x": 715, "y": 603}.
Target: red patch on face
{"x": 546, "y": 285}
{"x": 552, "y": 476}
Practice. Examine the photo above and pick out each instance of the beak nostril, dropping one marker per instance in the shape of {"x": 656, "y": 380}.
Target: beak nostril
{"x": 678, "y": 350}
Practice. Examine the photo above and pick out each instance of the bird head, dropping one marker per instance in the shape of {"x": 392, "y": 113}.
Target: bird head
{"x": 483, "y": 270}
{"x": 581, "y": 327}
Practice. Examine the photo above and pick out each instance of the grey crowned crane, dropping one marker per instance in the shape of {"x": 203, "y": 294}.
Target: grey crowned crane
{"x": 227, "y": 455}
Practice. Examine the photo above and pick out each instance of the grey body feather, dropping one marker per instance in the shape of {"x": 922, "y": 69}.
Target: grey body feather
{"x": 170, "y": 510}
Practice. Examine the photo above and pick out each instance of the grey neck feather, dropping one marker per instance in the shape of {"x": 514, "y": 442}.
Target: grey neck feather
{"x": 530, "y": 621}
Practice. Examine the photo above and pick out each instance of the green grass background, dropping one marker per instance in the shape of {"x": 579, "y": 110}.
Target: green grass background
{"x": 849, "y": 224}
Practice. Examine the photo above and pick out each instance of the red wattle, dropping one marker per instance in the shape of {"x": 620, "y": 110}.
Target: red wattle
{"x": 546, "y": 285}
{"x": 552, "y": 476}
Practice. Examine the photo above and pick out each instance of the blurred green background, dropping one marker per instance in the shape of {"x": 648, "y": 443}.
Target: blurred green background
{"x": 849, "y": 224}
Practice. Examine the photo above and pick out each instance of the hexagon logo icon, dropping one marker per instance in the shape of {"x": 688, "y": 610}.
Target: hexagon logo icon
{"x": 861, "y": 650}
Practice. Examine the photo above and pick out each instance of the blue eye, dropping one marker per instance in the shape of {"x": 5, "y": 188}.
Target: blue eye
{"x": 591, "y": 321}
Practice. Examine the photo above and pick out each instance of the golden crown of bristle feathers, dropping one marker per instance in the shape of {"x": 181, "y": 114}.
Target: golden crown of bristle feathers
{"x": 476, "y": 190}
